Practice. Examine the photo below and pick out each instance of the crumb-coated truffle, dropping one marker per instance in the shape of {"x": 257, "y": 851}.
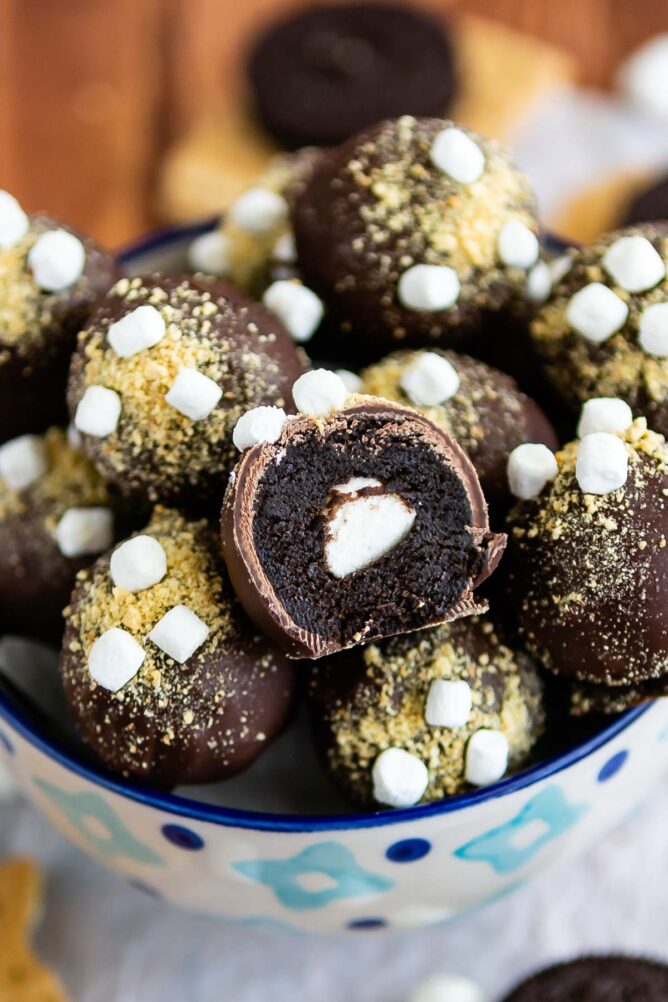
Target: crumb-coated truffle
{"x": 427, "y": 695}
{"x": 478, "y": 405}
{"x": 322, "y": 74}
{"x": 410, "y": 232}
{"x": 50, "y": 276}
{"x": 587, "y": 697}
{"x": 587, "y": 560}
{"x": 162, "y": 373}
{"x": 358, "y": 520}
{"x": 166, "y": 678}
{"x": 649, "y": 205}
{"x": 597, "y": 979}
{"x": 56, "y": 515}
{"x": 604, "y": 330}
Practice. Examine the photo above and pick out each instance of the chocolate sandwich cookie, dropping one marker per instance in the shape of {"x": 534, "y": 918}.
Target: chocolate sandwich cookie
{"x": 50, "y": 276}
{"x": 167, "y": 679}
{"x": 587, "y": 561}
{"x": 56, "y": 516}
{"x": 356, "y": 520}
{"x": 649, "y": 205}
{"x": 604, "y": 330}
{"x": 411, "y": 232}
{"x": 597, "y": 979}
{"x": 478, "y": 405}
{"x": 321, "y": 75}
{"x": 420, "y": 717}
{"x": 162, "y": 373}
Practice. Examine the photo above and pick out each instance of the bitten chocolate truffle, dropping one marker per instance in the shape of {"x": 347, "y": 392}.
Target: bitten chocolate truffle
{"x": 50, "y": 276}
{"x": 56, "y": 515}
{"x": 410, "y": 232}
{"x": 597, "y": 979}
{"x": 649, "y": 205}
{"x": 421, "y": 717}
{"x": 161, "y": 375}
{"x": 587, "y": 560}
{"x": 166, "y": 678}
{"x": 604, "y": 330}
{"x": 479, "y": 406}
{"x": 357, "y": 520}
{"x": 321, "y": 75}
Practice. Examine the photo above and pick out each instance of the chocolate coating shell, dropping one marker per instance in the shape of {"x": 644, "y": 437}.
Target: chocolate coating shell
{"x": 597, "y": 979}
{"x": 650, "y": 205}
{"x": 34, "y": 366}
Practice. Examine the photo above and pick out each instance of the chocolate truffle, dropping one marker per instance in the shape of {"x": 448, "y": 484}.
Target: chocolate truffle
{"x": 649, "y": 205}
{"x": 479, "y": 406}
{"x": 604, "y": 330}
{"x": 597, "y": 979}
{"x": 587, "y": 697}
{"x": 166, "y": 678}
{"x": 50, "y": 275}
{"x": 451, "y": 707}
{"x": 321, "y": 75}
{"x": 587, "y": 561}
{"x": 161, "y": 375}
{"x": 411, "y": 232}
{"x": 55, "y": 515}
{"x": 357, "y": 520}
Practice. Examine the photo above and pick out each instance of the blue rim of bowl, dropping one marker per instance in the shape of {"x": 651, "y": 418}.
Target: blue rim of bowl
{"x": 295, "y": 823}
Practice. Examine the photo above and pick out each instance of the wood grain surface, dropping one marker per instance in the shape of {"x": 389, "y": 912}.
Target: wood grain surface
{"x": 92, "y": 91}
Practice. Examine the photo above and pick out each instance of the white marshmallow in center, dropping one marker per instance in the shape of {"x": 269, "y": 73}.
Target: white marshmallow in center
{"x": 364, "y": 529}
{"x": 140, "y": 329}
{"x": 23, "y": 461}
{"x": 57, "y": 260}
{"x": 602, "y": 465}
{"x": 297, "y": 307}
{"x": 449, "y": 703}
{"x": 634, "y": 264}
{"x": 530, "y": 466}
{"x": 319, "y": 392}
{"x": 356, "y": 484}
{"x": 429, "y": 380}
{"x": 138, "y": 563}
{"x": 399, "y": 778}
{"x": 604, "y": 414}
{"x": 14, "y": 222}
{"x": 429, "y": 287}
{"x": 115, "y": 658}
{"x": 193, "y": 394}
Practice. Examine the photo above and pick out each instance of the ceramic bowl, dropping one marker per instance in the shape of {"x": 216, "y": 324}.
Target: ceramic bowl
{"x": 323, "y": 872}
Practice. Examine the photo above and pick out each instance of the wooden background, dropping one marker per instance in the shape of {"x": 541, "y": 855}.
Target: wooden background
{"x": 93, "y": 91}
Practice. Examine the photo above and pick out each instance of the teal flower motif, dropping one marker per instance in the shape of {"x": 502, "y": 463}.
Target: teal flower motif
{"x": 513, "y": 844}
{"x": 329, "y": 863}
{"x": 97, "y": 823}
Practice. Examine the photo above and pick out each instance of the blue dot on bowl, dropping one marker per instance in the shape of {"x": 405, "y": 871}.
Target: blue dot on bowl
{"x": 182, "y": 837}
{"x": 6, "y": 743}
{"x": 613, "y": 765}
{"x": 409, "y": 850}
{"x": 367, "y": 923}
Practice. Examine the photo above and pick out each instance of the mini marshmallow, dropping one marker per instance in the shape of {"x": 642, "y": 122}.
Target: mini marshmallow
{"x": 319, "y": 392}
{"x": 211, "y": 254}
{"x": 138, "y": 564}
{"x": 284, "y": 250}
{"x": 518, "y": 245}
{"x": 115, "y": 658}
{"x": 634, "y": 264}
{"x": 596, "y": 312}
{"x": 14, "y": 222}
{"x": 356, "y": 484}
{"x": 258, "y": 211}
{"x": 57, "y": 260}
{"x": 299, "y": 310}
{"x": 429, "y": 380}
{"x": 539, "y": 283}
{"x": 23, "y": 461}
{"x": 457, "y": 155}
{"x": 643, "y": 78}
{"x": 134, "y": 332}
{"x": 653, "y": 330}
{"x": 530, "y": 467}
{"x": 602, "y": 465}
{"x": 399, "y": 778}
{"x": 261, "y": 424}
{"x": 559, "y": 267}
{"x": 447, "y": 988}
{"x": 363, "y": 530}
{"x": 351, "y": 380}
{"x": 179, "y": 633}
{"x": 604, "y": 414}
{"x": 85, "y": 531}
{"x": 429, "y": 287}
{"x": 98, "y": 412}
{"x": 486, "y": 757}
{"x": 193, "y": 394}
{"x": 449, "y": 703}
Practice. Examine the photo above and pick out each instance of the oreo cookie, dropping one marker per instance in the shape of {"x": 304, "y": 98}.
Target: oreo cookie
{"x": 597, "y": 979}
{"x": 324, "y": 74}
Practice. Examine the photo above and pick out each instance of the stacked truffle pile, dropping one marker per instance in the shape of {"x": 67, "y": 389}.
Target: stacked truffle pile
{"x": 355, "y": 532}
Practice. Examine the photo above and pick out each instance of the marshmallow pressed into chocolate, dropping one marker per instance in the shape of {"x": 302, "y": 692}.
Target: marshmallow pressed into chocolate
{"x": 356, "y": 524}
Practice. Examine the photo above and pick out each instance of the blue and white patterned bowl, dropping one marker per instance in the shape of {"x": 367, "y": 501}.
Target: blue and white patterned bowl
{"x": 322, "y": 873}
